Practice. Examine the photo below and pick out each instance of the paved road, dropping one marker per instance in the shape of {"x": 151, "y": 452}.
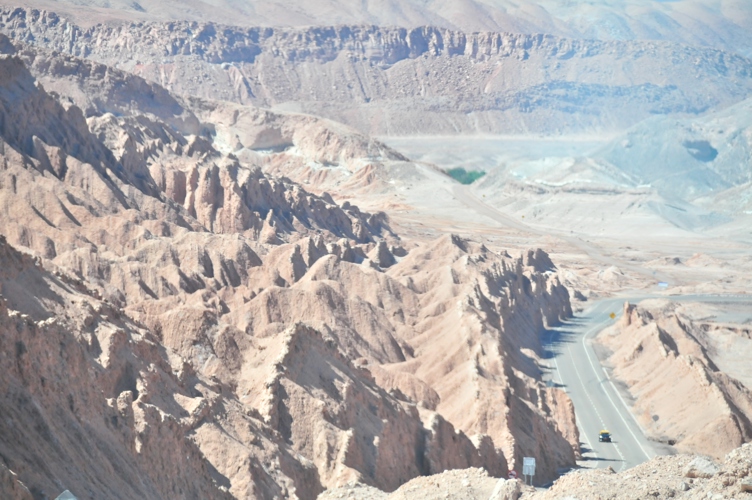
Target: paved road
{"x": 597, "y": 401}
{"x": 598, "y": 404}
{"x": 575, "y": 366}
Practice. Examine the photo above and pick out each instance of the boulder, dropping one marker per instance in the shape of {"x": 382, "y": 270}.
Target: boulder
{"x": 701, "y": 467}
{"x": 381, "y": 255}
{"x": 746, "y": 484}
{"x": 506, "y": 489}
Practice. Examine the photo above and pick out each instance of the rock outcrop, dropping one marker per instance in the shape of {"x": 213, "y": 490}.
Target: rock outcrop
{"x": 180, "y": 302}
{"x": 83, "y": 384}
{"x": 694, "y": 22}
{"x": 661, "y": 356}
{"x": 144, "y": 124}
{"x": 661, "y": 477}
{"x": 469, "y": 484}
{"x": 191, "y": 178}
{"x": 394, "y": 81}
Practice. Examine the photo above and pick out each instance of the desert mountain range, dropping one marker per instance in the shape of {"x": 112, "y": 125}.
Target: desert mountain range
{"x": 220, "y": 279}
{"x": 288, "y": 327}
{"x": 722, "y": 24}
{"x": 397, "y": 81}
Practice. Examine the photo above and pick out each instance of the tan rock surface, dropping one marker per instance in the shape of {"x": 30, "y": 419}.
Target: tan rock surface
{"x": 183, "y": 286}
{"x": 396, "y": 81}
{"x": 693, "y": 22}
{"x": 106, "y": 400}
{"x": 662, "y": 477}
{"x": 231, "y": 317}
{"x": 681, "y": 397}
{"x": 468, "y": 484}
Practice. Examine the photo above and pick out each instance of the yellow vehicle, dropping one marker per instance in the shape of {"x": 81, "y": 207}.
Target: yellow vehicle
{"x": 604, "y": 436}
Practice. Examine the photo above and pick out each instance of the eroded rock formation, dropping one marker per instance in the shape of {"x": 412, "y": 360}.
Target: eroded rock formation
{"x": 686, "y": 400}
{"x": 163, "y": 299}
{"x": 397, "y": 81}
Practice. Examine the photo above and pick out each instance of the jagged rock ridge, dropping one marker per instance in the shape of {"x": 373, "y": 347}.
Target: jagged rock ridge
{"x": 670, "y": 346}
{"x": 264, "y": 332}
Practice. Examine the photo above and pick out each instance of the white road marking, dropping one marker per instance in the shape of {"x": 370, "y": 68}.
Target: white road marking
{"x": 584, "y": 435}
{"x": 629, "y": 428}
{"x": 592, "y": 403}
{"x": 469, "y": 199}
{"x": 576, "y": 417}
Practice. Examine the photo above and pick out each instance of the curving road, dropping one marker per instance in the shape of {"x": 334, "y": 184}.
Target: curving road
{"x": 597, "y": 402}
{"x": 574, "y": 366}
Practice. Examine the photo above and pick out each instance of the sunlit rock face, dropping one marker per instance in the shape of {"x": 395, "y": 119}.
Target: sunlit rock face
{"x": 165, "y": 299}
{"x": 401, "y": 81}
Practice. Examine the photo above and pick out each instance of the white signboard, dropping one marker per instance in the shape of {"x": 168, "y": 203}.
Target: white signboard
{"x": 528, "y": 466}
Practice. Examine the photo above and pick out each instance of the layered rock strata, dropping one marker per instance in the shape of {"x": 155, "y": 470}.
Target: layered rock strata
{"x": 397, "y": 81}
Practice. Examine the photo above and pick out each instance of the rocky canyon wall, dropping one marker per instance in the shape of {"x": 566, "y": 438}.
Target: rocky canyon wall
{"x": 398, "y": 81}
{"x": 163, "y": 299}
{"x": 686, "y": 400}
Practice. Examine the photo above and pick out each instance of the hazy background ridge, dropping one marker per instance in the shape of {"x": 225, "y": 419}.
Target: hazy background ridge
{"x": 722, "y": 24}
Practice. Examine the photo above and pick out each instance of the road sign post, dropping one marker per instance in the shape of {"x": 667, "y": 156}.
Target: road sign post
{"x": 528, "y": 468}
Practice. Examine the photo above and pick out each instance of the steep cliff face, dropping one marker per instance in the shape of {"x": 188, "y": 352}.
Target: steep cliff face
{"x": 281, "y": 342}
{"x": 181, "y": 176}
{"x": 146, "y": 127}
{"x": 402, "y": 81}
{"x": 473, "y": 341}
{"x": 91, "y": 402}
{"x": 98, "y": 89}
{"x": 36, "y": 125}
{"x": 723, "y": 24}
{"x": 333, "y": 412}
